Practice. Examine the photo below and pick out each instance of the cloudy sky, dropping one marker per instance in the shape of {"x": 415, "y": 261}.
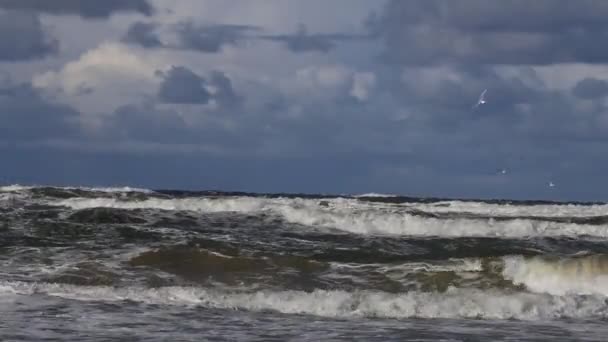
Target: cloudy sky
{"x": 315, "y": 96}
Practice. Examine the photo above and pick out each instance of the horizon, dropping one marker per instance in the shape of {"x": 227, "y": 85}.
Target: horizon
{"x": 379, "y": 197}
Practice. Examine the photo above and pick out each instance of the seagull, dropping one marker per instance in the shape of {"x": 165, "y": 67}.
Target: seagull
{"x": 482, "y": 99}
{"x": 503, "y": 171}
{"x": 551, "y": 185}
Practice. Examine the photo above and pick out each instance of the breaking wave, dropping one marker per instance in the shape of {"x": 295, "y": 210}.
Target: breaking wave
{"x": 354, "y": 217}
{"x": 577, "y": 275}
{"x": 510, "y": 210}
{"x": 454, "y": 303}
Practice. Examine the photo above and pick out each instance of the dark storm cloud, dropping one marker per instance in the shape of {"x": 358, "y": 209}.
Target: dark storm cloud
{"x": 22, "y": 37}
{"x": 590, "y": 88}
{"x": 147, "y": 123}
{"x": 481, "y": 32}
{"x": 447, "y": 103}
{"x": 182, "y": 85}
{"x": 302, "y": 41}
{"x": 225, "y": 93}
{"x": 138, "y": 125}
{"x": 25, "y": 115}
{"x": 210, "y": 38}
{"x": 143, "y": 34}
{"x": 84, "y": 8}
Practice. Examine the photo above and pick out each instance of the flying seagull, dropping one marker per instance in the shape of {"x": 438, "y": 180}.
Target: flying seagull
{"x": 482, "y": 99}
{"x": 551, "y": 184}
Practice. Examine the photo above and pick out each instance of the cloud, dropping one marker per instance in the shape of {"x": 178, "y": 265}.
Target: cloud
{"x": 27, "y": 116}
{"x": 143, "y": 34}
{"x": 590, "y": 88}
{"x": 187, "y": 35}
{"x": 362, "y": 85}
{"x": 86, "y": 9}
{"x": 154, "y": 126}
{"x": 210, "y": 38}
{"x": 108, "y": 64}
{"x": 473, "y": 32}
{"x": 331, "y": 82}
{"x": 23, "y": 38}
{"x": 100, "y": 79}
{"x": 181, "y": 85}
{"x": 302, "y": 41}
{"x": 147, "y": 123}
{"x": 223, "y": 91}
{"x": 214, "y": 37}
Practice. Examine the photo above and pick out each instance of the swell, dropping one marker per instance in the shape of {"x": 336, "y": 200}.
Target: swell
{"x": 350, "y": 217}
{"x": 456, "y": 303}
{"x": 324, "y": 256}
{"x": 584, "y": 274}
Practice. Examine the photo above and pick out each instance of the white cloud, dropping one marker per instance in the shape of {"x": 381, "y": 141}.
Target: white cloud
{"x": 273, "y": 15}
{"x": 565, "y": 76}
{"x": 101, "y": 67}
{"x": 324, "y": 76}
{"x": 363, "y": 83}
{"x": 329, "y": 82}
{"x": 102, "y": 79}
{"x": 426, "y": 81}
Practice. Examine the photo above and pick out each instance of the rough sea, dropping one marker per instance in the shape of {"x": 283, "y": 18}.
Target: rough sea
{"x": 84, "y": 264}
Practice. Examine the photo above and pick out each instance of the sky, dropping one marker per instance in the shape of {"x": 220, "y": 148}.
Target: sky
{"x": 308, "y": 96}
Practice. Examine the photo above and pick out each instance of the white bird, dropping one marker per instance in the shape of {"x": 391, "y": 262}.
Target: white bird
{"x": 482, "y": 99}
{"x": 551, "y": 185}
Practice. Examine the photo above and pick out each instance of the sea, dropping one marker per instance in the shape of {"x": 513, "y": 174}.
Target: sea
{"x": 125, "y": 264}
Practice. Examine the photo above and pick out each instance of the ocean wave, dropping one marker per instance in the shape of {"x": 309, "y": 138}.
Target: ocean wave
{"x": 455, "y": 303}
{"x": 348, "y": 215}
{"x": 374, "y": 194}
{"x": 237, "y": 204}
{"x": 14, "y": 188}
{"x": 450, "y": 265}
{"x": 509, "y": 210}
{"x": 574, "y": 275}
{"x": 124, "y": 189}
{"x": 114, "y": 189}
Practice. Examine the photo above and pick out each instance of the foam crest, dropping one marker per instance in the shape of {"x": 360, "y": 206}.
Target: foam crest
{"x": 450, "y": 265}
{"x": 508, "y": 210}
{"x": 402, "y": 223}
{"x": 14, "y": 188}
{"x": 114, "y": 189}
{"x": 455, "y": 303}
{"x": 350, "y": 216}
{"x": 374, "y": 194}
{"x": 579, "y": 275}
{"x": 237, "y": 204}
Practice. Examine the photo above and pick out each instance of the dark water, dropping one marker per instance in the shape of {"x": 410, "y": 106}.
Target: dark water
{"x": 129, "y": 265}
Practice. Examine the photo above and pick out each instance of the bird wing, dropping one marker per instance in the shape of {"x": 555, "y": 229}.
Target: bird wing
{"x": 483, "y": 94}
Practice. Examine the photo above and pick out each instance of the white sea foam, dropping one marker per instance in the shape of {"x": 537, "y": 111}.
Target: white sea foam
{"x": 17, "y": 188}
{"x": 509, "y": 210}
{"x": 114, "y": 189}
{"x": 352, "y": 216}
{"x": 14, "y": 188}
{"x": 450, "y": 265}
{"x": 579, "y": 275}
{"x": 455, "y": 303}
{"x": 237, "y": 204}
{"x": 402, "y": 272}
{"x": 374, "y": 194}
